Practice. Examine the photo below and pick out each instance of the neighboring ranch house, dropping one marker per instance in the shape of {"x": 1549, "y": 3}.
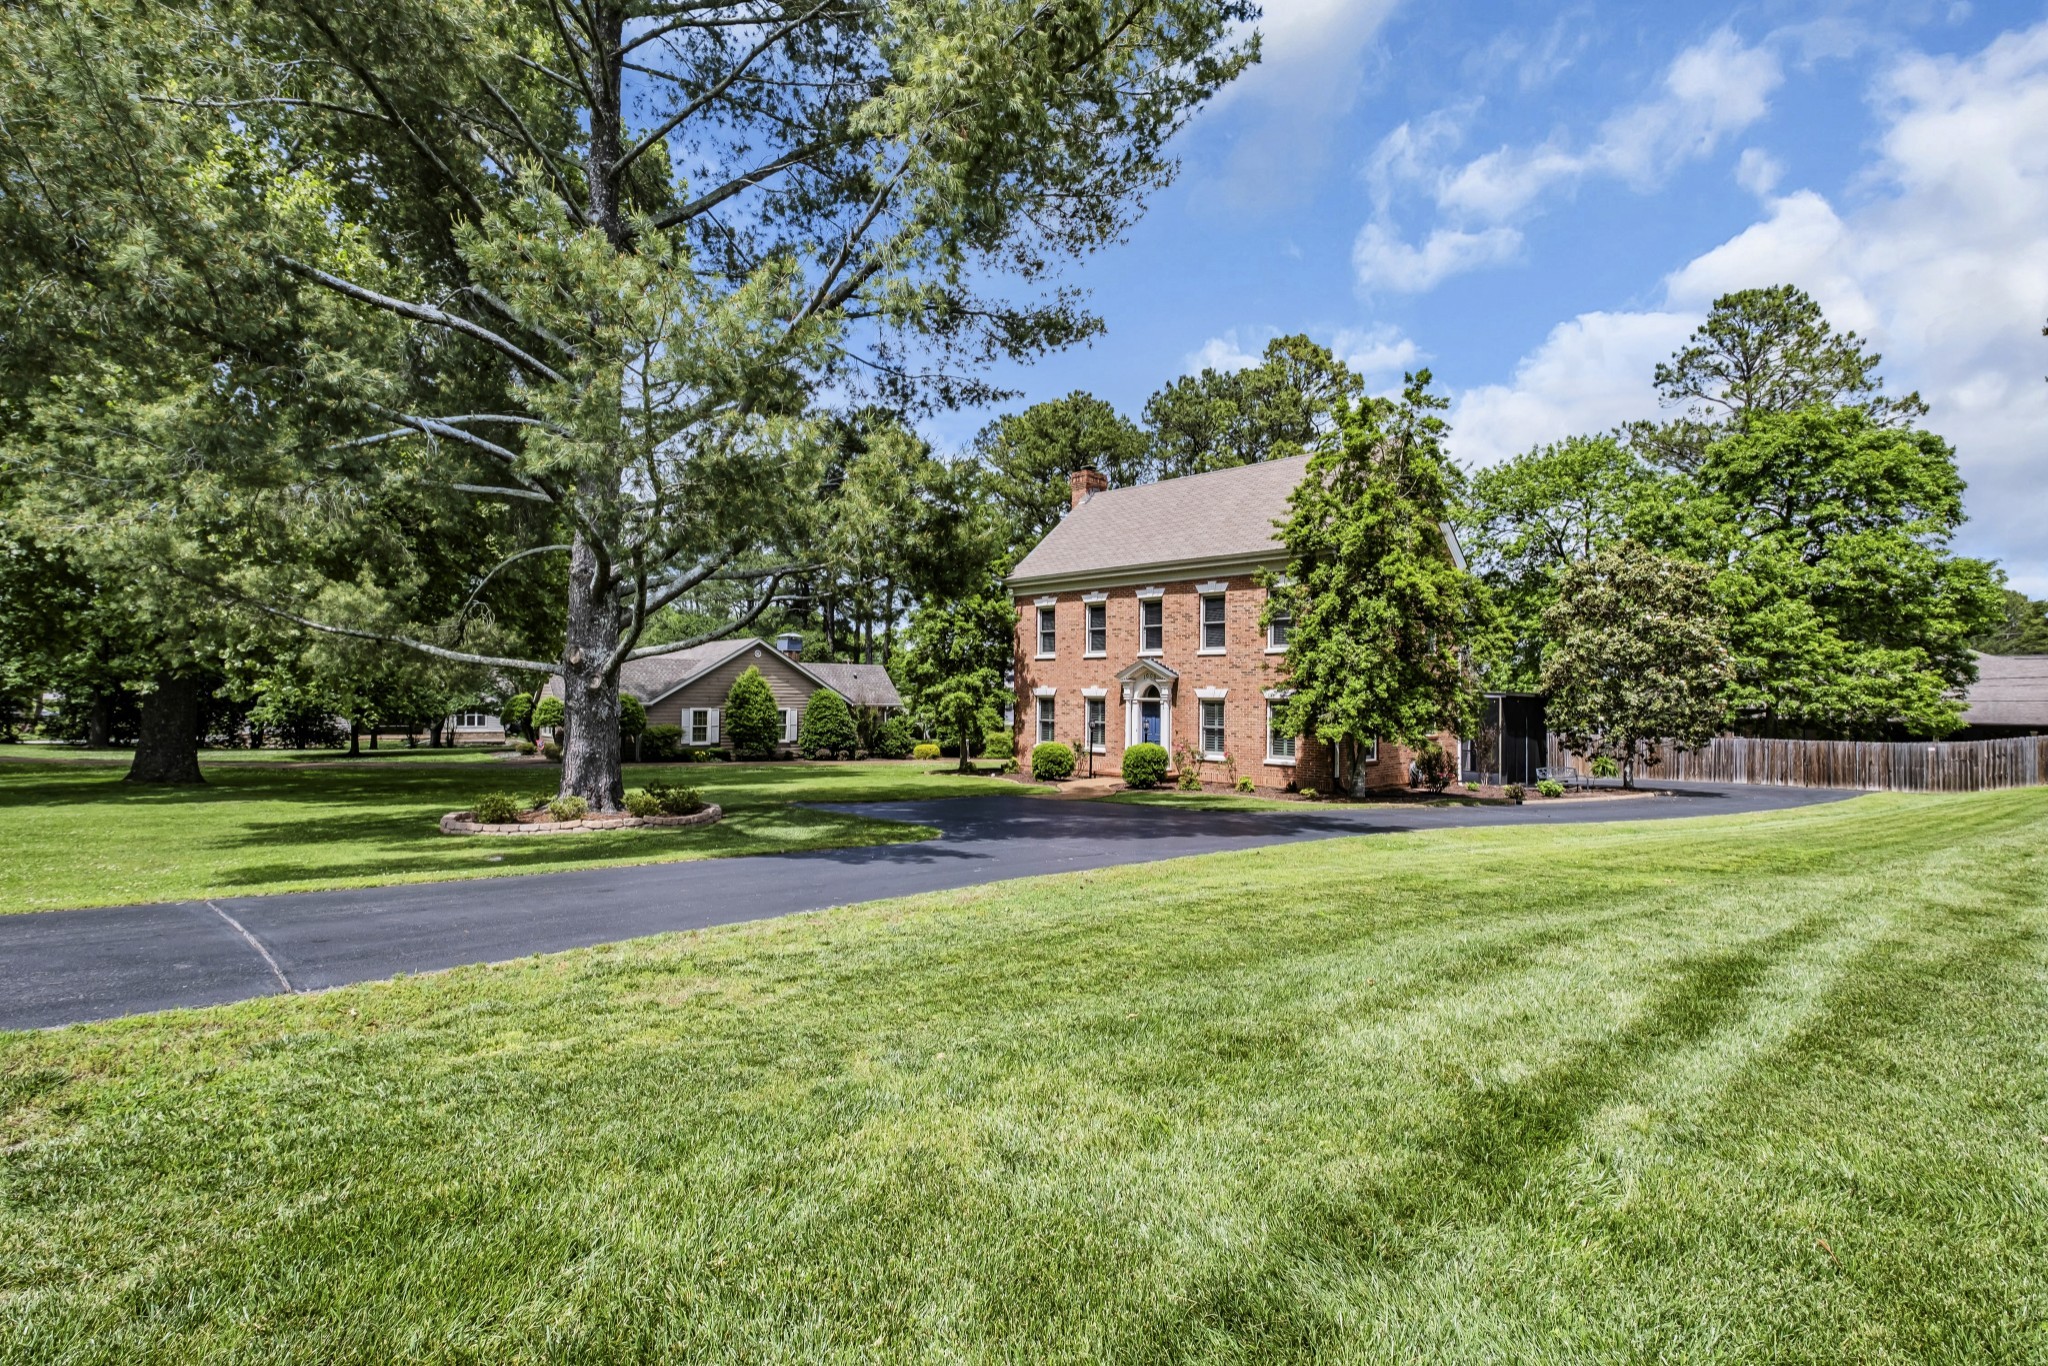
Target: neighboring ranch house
{"x": 1138, "y": 620}
{"x": 688, "y": 688}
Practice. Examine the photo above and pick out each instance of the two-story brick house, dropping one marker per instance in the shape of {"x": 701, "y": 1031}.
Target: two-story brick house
{"x": 1138, "y": 619}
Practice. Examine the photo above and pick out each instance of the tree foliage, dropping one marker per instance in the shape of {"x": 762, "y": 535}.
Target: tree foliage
{"x": 955, "y": 661}
{"x": 1289, "y": 404}
{"x": 752, "y": 723}
{"x": 1635, "y": 656}
{"x": 2022, "y": 629}
{"x": 1382, "y": 613}
{"x": 1027, "y": 456}
{"x": 827, "y": 727}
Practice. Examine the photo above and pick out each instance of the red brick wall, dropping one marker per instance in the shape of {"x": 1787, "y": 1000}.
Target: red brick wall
{"x": 1244, "y": 670}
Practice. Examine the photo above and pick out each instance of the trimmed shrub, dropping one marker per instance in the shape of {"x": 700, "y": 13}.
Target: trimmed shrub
{"x": 1435, "y": 767}
{"x": 925, "y": 752}
{"x": 1000, "y": 744}
{"x": 551, "y": 751}
{"x": 1145, "y": 765}
{"x": 827, "y": 727}
{"x": 568, "y": 808}
{"x": 1514, "y": 792}
{"x": 753, "y": 723}
{"x": 1471, "y": 787}
{"x": 548, "y": 713}
{"x": 632, "y": 723}
{"x": 662, "y": 744}
{"x": 1550, "y": 787}
{"x": 1309, "y": 794}
{"x": 896, "y": 739}
{"x": 1051, "y": 762}
{"x": 525, "y": 747}
{"x": 675, "y": 801}
{"x": 1605, "y": 766}
{"x": 495, "y": 808}
{"x": 1246, "y": 786}
{"x": 642, "y": 804}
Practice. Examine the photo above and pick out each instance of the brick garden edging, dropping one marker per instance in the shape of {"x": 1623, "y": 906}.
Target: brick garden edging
{"x": 458, "y": 823}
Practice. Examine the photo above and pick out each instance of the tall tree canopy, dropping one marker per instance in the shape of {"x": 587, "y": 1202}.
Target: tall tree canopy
{"x": 2022, "y": 628}
{"x": 1027, "y": 456}
{"x": 598, "y": 255}
{"x": 1382, "y": 614}
{"x": 1289, "y": 404}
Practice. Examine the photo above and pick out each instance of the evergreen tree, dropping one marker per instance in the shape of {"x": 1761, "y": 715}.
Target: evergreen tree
{"x": 1382, "y": 613}
{"x": 752, "y": 723}
{"x": 827, "y": 726}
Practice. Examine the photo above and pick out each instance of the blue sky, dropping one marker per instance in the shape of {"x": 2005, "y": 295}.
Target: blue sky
{"x": 1538, "y": 202}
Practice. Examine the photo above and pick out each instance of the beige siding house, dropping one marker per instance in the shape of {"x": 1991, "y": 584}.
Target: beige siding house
{"x": 688, "y": 688}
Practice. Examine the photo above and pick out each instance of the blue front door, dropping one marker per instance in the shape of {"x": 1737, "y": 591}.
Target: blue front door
{"x": 1148, "y": 722}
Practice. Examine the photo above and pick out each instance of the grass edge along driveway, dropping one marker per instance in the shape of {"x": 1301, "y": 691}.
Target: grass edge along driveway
{"x": 1764, "y": 1088}
{"x": 78, "y": 836}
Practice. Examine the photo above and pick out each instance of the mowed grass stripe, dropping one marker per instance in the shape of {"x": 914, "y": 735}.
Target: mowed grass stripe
{"x": 1766, "y": 1088}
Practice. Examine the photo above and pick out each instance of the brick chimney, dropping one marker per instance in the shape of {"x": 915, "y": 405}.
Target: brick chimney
{"x": 791, "y": 644}
{"x": 1086, "y": 484}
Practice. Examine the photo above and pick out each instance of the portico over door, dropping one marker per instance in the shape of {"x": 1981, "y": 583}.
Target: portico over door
{"x": 1148, "y": 688}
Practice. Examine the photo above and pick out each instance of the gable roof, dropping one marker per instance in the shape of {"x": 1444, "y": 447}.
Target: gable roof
{"x": 862, "y": 685}
{"x": 2011, "y": 690}
{"x": 1186, "y": 523}
{"x": 656, "y": 676}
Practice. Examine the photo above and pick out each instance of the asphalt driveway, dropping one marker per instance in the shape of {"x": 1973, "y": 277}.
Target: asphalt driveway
{"x": 60, "y": 967}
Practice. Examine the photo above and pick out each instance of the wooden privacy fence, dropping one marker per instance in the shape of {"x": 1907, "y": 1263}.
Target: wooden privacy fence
{"x": 1923, "y": 766}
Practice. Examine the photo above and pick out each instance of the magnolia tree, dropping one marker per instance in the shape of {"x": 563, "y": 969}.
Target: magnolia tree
{"x": 1635, "y": 657}
{"x": 601, "y": 257}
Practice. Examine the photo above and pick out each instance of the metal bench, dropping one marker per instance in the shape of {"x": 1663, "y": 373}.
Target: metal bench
{"x": 1569, "y": 777}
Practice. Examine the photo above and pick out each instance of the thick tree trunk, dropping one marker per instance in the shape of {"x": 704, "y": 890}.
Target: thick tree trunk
{"x": 590, "y": 696}
{"x": 355, "y": 740}
{"x": 167, "y": 746}
{"x": 434, "y": 735}
{"x": 99, "y": 722}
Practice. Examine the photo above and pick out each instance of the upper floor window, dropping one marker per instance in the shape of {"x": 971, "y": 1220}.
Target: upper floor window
{"x": 1047, "y": 637}
{"x": 1151, "y": 625}
{"x": 1212, "y": 622}
{"x": 1098, "y": 628}
{"x": 1277, "y": 632}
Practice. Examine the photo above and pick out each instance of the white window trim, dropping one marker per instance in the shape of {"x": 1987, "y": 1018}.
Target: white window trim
{"x": 1371, "y": 756}
{"x": 1149, "y": 593}
{"x": 1097, "y": 693}
{"x": 790, "y": 719}
{"x": 1211, "y": 592}
{"x": 1044, "y": 717}
{"x": 1202, "y": 723}
{"x": 1100, "y": 696}
{"x": 1043, "y": 606}
{"x": 1278, "y": 760}
{"x": 1211, "y": 694}
{"x": 1159, "y": 650}
{"x": 1045, "y": 602}
{"x": 1098, "y": 596}
{"x": 1101, "y": 601}
{"x": 1215, "y": 589}
{"x": 1045, "y": 692}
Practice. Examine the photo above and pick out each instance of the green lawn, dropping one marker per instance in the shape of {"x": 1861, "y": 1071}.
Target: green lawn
{"x": 79, "y": 836}
{"x": 1749, "y": 1089}
{"x": 393, "y": 751}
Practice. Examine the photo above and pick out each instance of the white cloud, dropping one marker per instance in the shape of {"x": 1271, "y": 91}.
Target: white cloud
{"x": 1220, "y": 353}
{"x": 1941, "y": 262}
{"x": 1590, "y": 374}
{"x": 1382, "y": 261}
{"x": 1375, "y": 351}
{"x": 1710, "y": 91}
{"x": 1288, "y": 107}
{"x": 1758, "y": 171}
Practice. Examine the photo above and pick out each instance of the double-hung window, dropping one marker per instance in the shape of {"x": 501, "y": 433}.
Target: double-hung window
{"x": 703, "y": 725}
{"x": 1151, "y": 626}
{"x": 1045, "y": 721}
{"x": 1098, "y": 727}
{"x": 1212, "y": 730}
{"x": 1048, "y": 638}
{"x": 1098, "y": 628}
{"x": 1279, "y": 747}
{"x": 1212, "y": 623}
{"x": 1277, "y": 631}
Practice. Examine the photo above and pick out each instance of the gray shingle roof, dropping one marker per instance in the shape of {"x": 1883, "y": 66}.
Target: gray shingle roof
{"x": 2011, "y": 690}
{"x": 658, "y": 675}
{"x": 1225, "y": 515}
{"x": 862, "y": 685}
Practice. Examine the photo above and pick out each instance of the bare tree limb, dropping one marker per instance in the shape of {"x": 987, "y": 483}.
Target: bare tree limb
{"x": 423, "y": 647}
{"x": 494, "y": 490}
{"x": 425, "y": 313}
{"x": 753, "y": 615}
{"x": 713, "y": 198}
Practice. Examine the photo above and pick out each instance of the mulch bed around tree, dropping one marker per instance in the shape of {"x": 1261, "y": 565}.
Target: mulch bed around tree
{"x": 541, "y": 823}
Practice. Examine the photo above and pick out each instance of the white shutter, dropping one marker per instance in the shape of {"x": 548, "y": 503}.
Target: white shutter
{"x": 789, "y": 725}
{"x": 714, "y": 725}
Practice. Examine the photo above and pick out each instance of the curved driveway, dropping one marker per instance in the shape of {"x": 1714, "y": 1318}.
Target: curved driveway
{"x": 59, "y": 967}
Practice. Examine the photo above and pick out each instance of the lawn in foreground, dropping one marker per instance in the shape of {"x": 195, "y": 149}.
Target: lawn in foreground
{"x": 79, "y": 836}
{"x": 1763, "y": 1088}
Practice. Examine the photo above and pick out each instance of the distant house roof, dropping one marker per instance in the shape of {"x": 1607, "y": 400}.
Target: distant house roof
{"x": 1151, "y": 529}
{"x": 862, "y": 685}
{"x": 659, "y": 675}
{"x": 2011, "y": 690}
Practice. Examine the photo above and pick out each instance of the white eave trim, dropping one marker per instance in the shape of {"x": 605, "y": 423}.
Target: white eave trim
{"x": 1164, "y": 571}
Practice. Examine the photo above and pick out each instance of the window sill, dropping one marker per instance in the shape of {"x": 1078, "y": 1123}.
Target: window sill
{"x": 1038, "y": 657}
{"x": 1220, "y": 650}
{"x": 1272, "y": 762}
{"x": 1095, "y": 654}
{"x": 1214, "y": 756}
{"x": 1151, "y": 654}
{"x": 1276, "y": 649}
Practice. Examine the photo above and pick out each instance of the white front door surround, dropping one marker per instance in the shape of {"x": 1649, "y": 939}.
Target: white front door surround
{"x": 1147, "y": 683}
